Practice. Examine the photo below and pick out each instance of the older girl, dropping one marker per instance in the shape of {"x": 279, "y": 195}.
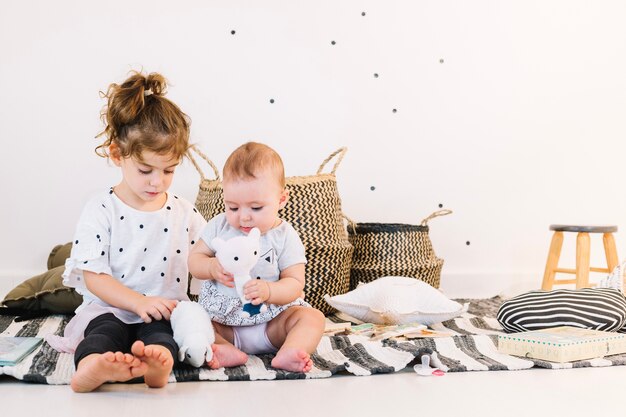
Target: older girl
{"x": 129, "y": 254}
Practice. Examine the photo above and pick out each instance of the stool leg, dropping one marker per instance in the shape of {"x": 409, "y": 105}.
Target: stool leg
{"x": 610, "y": 250}
{"x": 582, "y": 260}
{"x": 553, "y": 261}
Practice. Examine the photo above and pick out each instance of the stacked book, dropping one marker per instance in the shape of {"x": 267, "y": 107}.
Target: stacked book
{"x": 562, "y": 344}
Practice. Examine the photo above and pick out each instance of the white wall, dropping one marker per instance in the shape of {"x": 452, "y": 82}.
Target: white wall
{"x": 510, "y": 113}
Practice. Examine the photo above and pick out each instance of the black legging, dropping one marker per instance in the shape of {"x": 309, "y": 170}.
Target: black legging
{"x": 107, "y": 333}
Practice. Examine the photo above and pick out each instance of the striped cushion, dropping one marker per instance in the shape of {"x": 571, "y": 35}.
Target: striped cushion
{"x": 589, "y": 308}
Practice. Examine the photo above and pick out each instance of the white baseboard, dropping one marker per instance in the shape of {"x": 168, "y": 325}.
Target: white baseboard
{"x": 487, "y": 284}
{"x": 453, "y": 284}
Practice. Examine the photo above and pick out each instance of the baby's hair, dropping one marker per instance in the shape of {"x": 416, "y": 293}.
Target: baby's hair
{"x": 139, "y": 118}
{"x": 248, "y": 159}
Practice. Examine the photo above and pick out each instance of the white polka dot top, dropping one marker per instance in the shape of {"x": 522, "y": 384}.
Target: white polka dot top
{"x": 145, "y": 250}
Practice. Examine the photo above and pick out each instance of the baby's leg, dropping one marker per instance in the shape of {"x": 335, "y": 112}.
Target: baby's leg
{"x": 297, "y": 331}
{"x": 292, "y": 359}
{"x": 158, "y": 360}
{"x": 225, "y": 354}
{"x": 96, "y": 369}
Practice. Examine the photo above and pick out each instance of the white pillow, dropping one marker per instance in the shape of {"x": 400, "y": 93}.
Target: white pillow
{"x": 397, "y": 300}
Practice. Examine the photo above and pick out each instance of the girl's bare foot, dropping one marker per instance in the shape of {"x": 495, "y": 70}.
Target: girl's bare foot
{"x": 159, "y": 363}
{"x": 226, "y": 356}
{"x": 292, "y": 359}
{"x": 96, "y": 369}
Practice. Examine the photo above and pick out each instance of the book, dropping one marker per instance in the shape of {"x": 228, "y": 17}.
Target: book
{"x": 562, "y": 344}
{"x": 332, "y": 328}
{"x": 383, "y": 331}
{"x": 14, "y": 349}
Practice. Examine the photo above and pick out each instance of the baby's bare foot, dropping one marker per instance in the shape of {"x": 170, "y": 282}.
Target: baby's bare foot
{"x": 96, "y": 369}
{"x": 159, "y": 363}
{"x": 226, "y": 356}
{"x": 291, "y": 359}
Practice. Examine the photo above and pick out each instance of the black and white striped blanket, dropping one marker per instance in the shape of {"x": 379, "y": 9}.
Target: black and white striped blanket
{"x": 473, "y": 347}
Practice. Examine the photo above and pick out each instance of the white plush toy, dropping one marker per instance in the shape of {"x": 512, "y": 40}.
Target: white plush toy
{"x": 193, "y": 332}
{"x": 238, "y": 255}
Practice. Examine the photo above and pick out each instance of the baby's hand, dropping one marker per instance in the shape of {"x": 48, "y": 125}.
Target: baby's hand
{"x": 219, "y": 274}
{"x": 257, "y": 291}
{"x": 155, "y": 308}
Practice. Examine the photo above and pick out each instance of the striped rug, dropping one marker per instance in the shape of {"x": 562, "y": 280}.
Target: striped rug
{"x": 472, "y": 347}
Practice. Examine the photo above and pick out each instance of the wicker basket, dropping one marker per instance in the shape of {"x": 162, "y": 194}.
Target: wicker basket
{"x": 314, "y": 211}
{"x": 393, "y": 249}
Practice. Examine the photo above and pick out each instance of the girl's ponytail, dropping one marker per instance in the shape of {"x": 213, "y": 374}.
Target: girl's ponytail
{"x": 155, "y": 84}
{"x": 138, "y": 117}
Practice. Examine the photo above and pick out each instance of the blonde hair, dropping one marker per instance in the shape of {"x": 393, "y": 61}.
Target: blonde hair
{"x": 250, "y": 158}
{"x": 139, "y": 118}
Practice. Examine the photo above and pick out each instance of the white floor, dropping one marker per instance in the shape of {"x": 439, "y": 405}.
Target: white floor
{"x": 575, "y": 392}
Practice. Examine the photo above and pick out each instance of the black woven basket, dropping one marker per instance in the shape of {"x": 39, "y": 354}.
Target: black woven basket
{"x": 394, "y": 249}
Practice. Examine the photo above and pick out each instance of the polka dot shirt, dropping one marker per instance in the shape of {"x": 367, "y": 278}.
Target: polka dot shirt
{"x": 146, "y": 251}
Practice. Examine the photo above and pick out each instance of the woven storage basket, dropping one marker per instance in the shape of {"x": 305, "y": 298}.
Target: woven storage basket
{"x": 314, "y": 211}
{"x": 393, "y": 249}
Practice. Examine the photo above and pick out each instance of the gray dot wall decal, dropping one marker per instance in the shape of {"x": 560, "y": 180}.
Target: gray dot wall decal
{"x": 368, "y": 72}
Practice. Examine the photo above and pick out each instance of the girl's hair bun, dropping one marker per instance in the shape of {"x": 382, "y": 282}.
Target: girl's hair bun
{"x": 138, "y": 116}
{"x": 154, "y": 84}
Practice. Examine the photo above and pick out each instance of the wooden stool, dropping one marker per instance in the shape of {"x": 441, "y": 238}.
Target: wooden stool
{"x": 582, "y": 255}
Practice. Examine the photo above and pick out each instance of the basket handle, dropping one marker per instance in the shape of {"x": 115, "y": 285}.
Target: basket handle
{"x": 351, "y": 223}
{"x": 341, "y": 152}
{"x": 203, "y": 156}
{"x": 435, "y": 214}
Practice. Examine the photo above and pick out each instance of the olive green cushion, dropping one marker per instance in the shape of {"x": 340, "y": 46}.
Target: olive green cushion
{"x": 58, "y": 255}
{"x": 46, "y": 291}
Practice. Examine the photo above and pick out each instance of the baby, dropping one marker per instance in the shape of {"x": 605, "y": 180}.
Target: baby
{"x": 254, "y": 192}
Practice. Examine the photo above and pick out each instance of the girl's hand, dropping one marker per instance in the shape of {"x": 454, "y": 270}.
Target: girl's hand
{"x": 218, "y": 273}
{"x": 154, "y": 308}
{"x": 257, "y": 291}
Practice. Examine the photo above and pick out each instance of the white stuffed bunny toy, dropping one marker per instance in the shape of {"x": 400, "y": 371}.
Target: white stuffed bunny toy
{"x": 193, "y": 333}
{"x": 238, "y": 255}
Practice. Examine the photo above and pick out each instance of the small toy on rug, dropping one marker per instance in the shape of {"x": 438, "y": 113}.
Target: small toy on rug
{"x": 238, "y": 255}
{"x": 193, "y": 332}
{"x": 424, "y": 368}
